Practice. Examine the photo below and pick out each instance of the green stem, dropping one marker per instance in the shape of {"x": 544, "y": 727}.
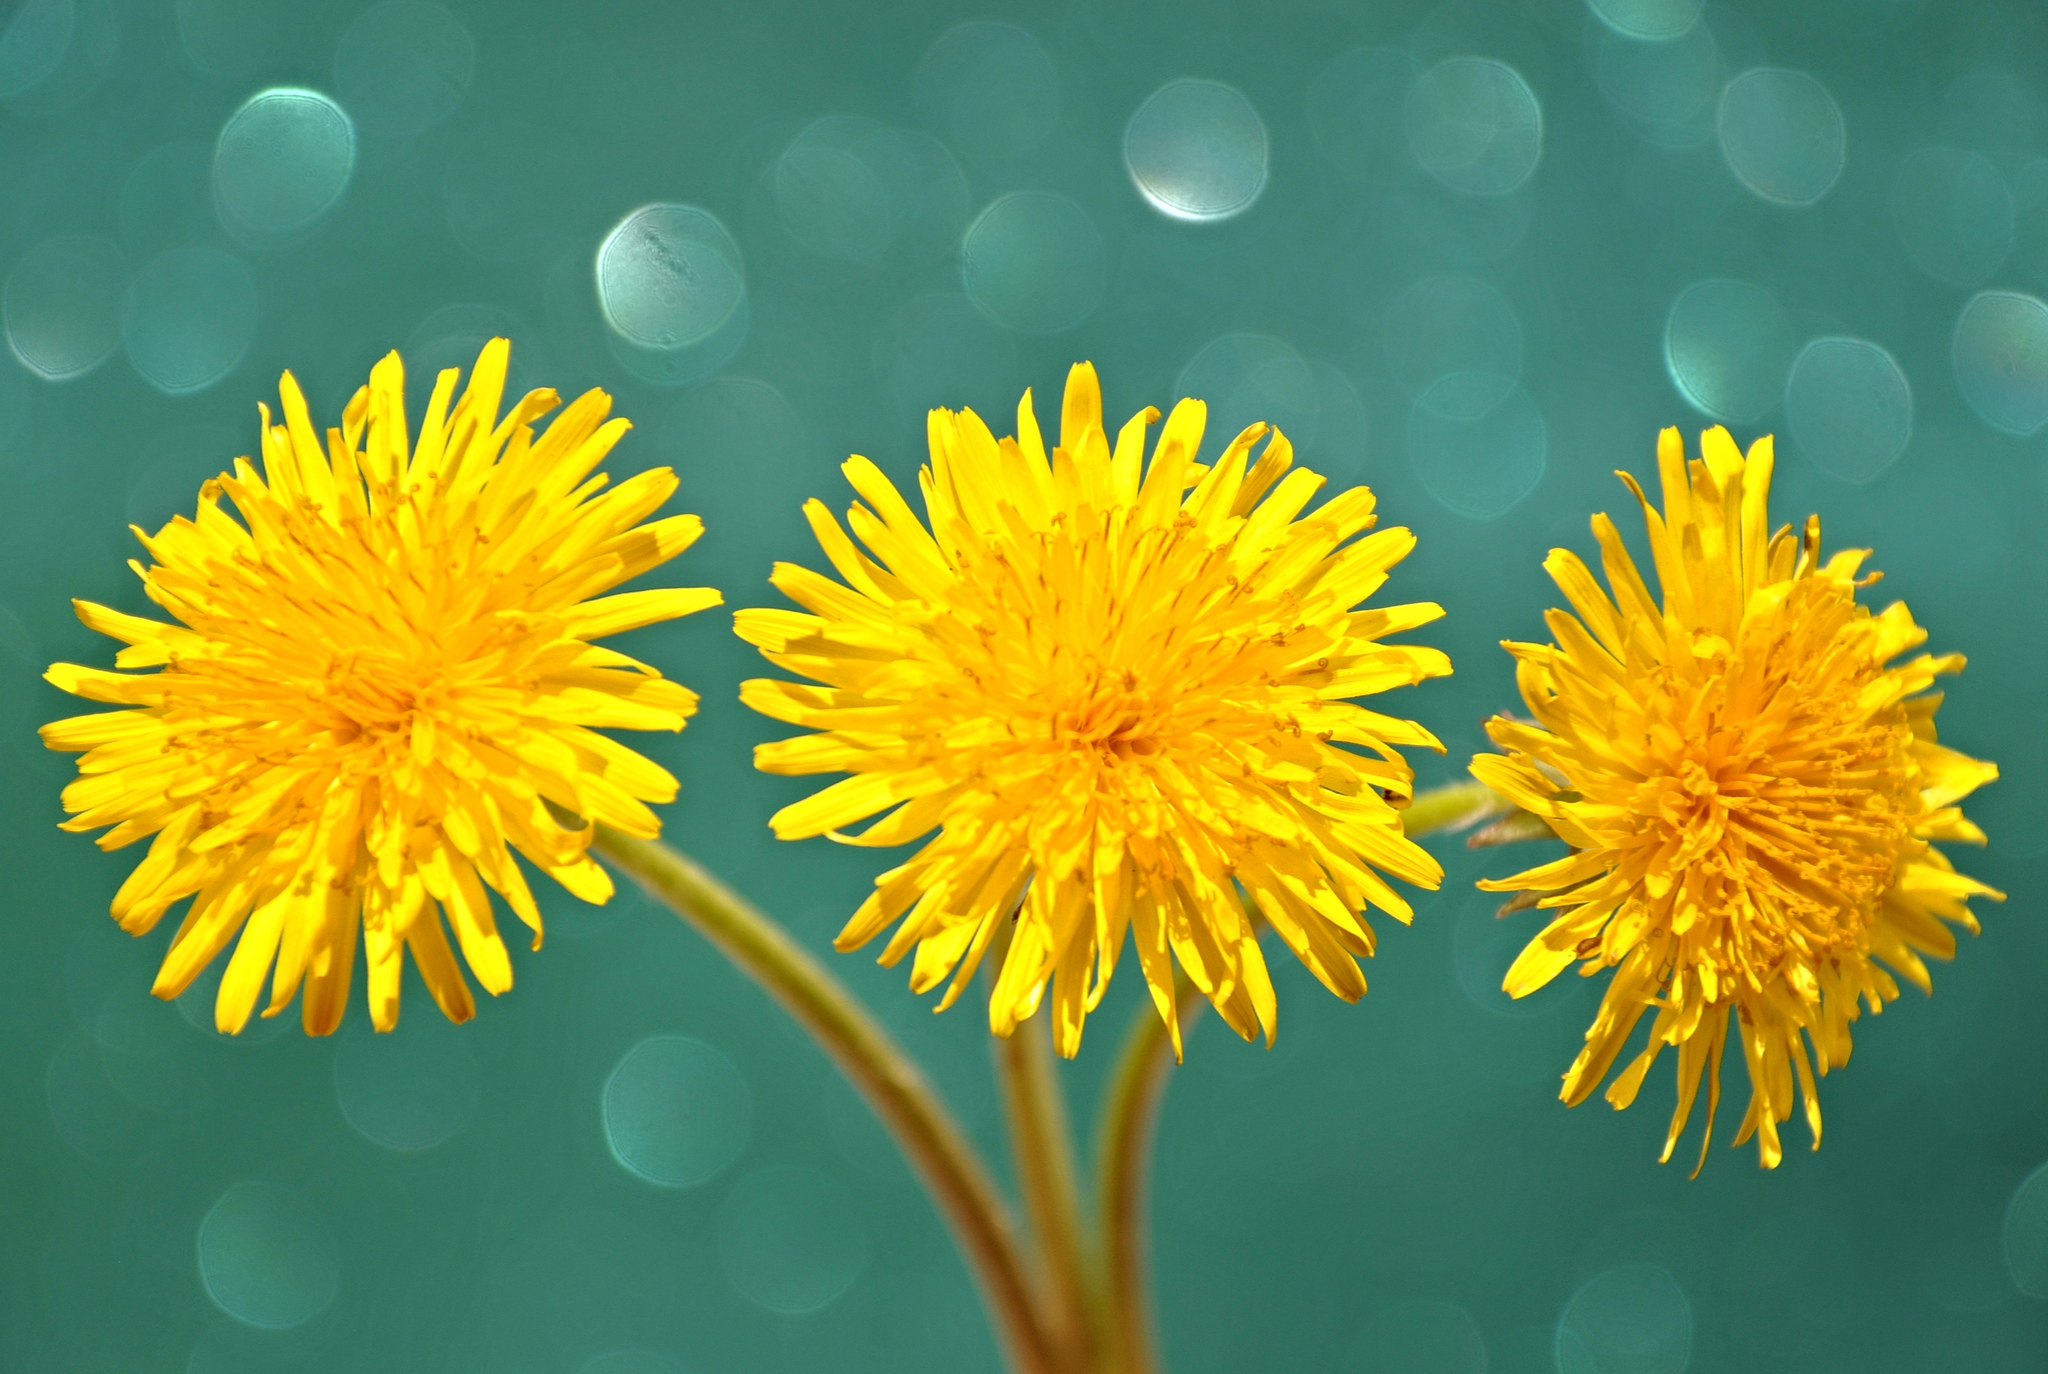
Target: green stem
{"x": 1131, "y": 1106}
{"x": 1049, "y": 1181}
{"x": 889, "y": 1078}
{"x": 1453, "y": 806}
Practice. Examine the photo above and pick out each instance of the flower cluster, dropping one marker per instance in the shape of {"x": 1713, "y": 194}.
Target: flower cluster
{"x": 1116, "y": 693}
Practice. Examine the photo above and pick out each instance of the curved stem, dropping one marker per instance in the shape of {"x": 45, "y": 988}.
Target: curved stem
{"x": 1048, "y": 1179}
{"x": 888, "y": 1077}
{"x": 1131, "y": 1106}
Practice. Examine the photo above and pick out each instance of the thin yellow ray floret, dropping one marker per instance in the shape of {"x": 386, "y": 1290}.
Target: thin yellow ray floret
{"x": 1123, "y": 694}
{"x": 379, "y": 686}
{"x": 1749, "y": 778}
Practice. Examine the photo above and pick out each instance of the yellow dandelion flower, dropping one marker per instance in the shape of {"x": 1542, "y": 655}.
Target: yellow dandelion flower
{"x": 1749, "y": 785}
{"x": 380, "y": 683}
{"x": 1120, "y": 691}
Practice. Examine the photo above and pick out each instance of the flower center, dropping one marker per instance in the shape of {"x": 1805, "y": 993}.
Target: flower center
{"x": 1108, "y": 713}
{"x": 370, "y": 695}
{"x": 1776, "y": 809}
{"x": 1075, "y": 632}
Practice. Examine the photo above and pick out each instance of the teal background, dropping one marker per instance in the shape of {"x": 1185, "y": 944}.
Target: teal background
{"x": 1394, "y": 1186}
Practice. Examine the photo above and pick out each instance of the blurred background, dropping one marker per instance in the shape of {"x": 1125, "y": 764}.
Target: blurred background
{"x": 1473, "y": 255}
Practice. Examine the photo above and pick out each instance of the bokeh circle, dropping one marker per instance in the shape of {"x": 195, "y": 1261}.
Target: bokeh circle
{"x": 61, "y": 306}
{"x": 403, "y": 66}
{"x": 668, "y": 276}
{"x": 1197, "y": 150}
{"x": 1631, "y": 1319}
{"x": 790, "y": 1238}
{"x": 1474, "y": 125}
{"x": 2000, "y": 355}
{"x": 2025, "y": 1235}
{"x": 1034, "y": 262}
{"x": 267, "y": 1257}
{"x": 1728, "y": 346}
{"x": 1850, "y": 407}
{"x": 281, "y": 163}
{"x": 189, "y": 317}
{"x": 676, "y": 1111}
{"x": 1782, "y": 135}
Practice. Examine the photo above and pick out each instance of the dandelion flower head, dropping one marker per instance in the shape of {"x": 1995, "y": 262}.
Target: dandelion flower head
{"x": 379, "y": 684}
{"x": 1751, "y": 788}
{"x": 1122, "y": 692}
